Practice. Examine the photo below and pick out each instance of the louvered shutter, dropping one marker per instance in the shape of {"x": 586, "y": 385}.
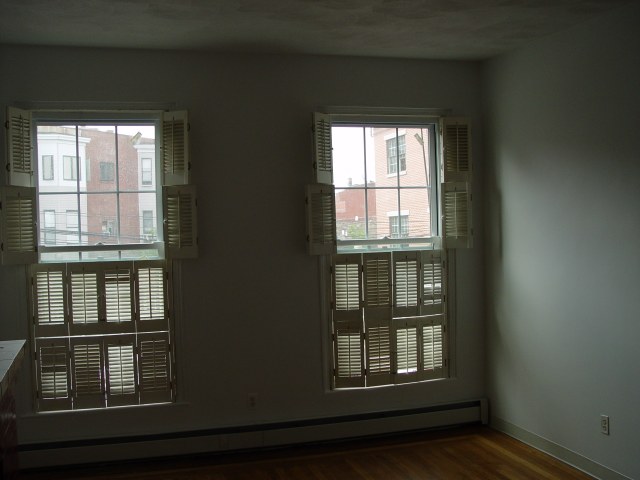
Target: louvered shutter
{"x": 53, "y": 374}
{"x": 433, "y": 282}
{"x": 175, "y": 148}
{"x": 20, "y": 148}
{"x": 152, "y": 296}
{"x": 87, "y": 365}
{"x": 155, "y": 367}
{"x": 85, "y": 288}
{"x": 18, "y": 225}
{"x": 346, "y": 310}
{"x": 322, "y": 148}
{"x": 456, "y": 144}
{"x": 406, "y": 284}
{"x": 118, "y": 297}
{"x": 180, "y": 221}
{"x": 433, "y": 348}
{"x": 457, "y": 229}
{"x": 456, "y": 189}
{"x": 122, "y": 381}
{"x": 406, "y": 352}
{"x": 377, "y": 317}
{"x": 49, "y": 302}
{"x": 321, "y": 220}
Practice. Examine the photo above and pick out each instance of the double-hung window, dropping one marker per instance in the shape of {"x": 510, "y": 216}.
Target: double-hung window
{"x": 101, "y": 249}
{"x": 392, "y": 196}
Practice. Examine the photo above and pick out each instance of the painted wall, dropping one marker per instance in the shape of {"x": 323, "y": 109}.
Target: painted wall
{"x": 562, "y": 242}
{"x": 250, "y": 320}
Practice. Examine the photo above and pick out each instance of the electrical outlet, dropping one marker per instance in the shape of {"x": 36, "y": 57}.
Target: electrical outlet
{"x": 252, "y": 400}
{"x": 604, "y": 424}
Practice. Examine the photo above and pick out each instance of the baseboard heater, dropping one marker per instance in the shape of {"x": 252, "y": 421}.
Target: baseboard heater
{"x": 247, "y": 437}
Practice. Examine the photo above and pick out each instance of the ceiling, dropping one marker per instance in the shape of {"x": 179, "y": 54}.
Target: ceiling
{"x": 434, "y": 29}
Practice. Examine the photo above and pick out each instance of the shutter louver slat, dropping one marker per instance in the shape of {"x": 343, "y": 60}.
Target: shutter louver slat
{"x": 175, "y": 148}
{"x": 377, "y": 281}
{"x": 379, "y": 350}
{"x": 456, "y": 201}
{"x": 49, "y": 298}
{"x": 54, "y": 373}
{"x": 121, "y": 370}
{"x": 432, "y": 340}
{"x": 180, "y": 221}
{"x": 118, "y": 301}
{"x": 84, "y": 298}
{"x": 20, "y": 163}
{"x": 347, "y": 286}
{"x": 432, "y": 282}
{"x": 151, "y": 288}
{"x": 155, "y": 369}
{"x": 406, "y": 350}
{"x": 88, "y": 369}
{"x": 349, "y": 348}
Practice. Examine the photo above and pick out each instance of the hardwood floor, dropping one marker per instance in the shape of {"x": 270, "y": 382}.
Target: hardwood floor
{"x": 474, "y": 452}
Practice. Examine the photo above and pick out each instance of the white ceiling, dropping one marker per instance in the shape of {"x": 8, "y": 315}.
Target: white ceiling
{"x": 436, "y": 29}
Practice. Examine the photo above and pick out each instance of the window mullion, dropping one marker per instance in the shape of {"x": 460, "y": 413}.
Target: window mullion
{"x": 118, "y": 230}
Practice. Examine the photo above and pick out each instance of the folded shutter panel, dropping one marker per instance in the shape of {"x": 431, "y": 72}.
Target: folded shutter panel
{"x": 180, "y": 221}
{"x": 53, "y": 378}
{"x": 20, "y": 148}
{"x": 155, "y": 367}
{"x": 85, "y": 288}
{"x": 175, "y": 148}
{"x": 346, "y": 302}
{"x": 433, "y": 282}
{"x": 322, "y": 148}
{"x": 18, "y": 225}
{"x": 122, "y": 382}
{"x": 456, "y": 144}
{"x": 152, "y": 296}
{"x": 321, "y": 219}
{"x": 377, "y": 317}
{"x": 49, "y": 300}
{"x": 87, "y": 365}
{"x": 456, "y": 223}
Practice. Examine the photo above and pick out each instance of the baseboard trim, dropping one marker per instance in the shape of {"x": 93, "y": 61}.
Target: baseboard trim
{"x": 243, "y": 437}
{"x": 558, "y": 451}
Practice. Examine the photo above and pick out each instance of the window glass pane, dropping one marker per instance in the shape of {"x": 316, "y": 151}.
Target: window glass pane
{"x": 416, "y": 162}
{"x": 136, "y": 142}
{"x": 351, "y": 214}
{"x": 349, "y": 157}
{"x": 132, "y": 217}
{"x": 414, "y": 206}
{"x": 47, "y": 167}
{"x": 53, "y": 219}
{"x": 101, "y": 214}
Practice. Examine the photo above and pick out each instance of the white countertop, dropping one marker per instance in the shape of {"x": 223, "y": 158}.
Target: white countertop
{"x": 11, "y": 355}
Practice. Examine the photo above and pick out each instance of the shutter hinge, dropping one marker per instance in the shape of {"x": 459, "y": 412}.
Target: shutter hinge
{"x": 331, "y": 269}
{"x": 188, "y": 127}
{"x": 1, "y": 247}
{"x": 6, "y": 124}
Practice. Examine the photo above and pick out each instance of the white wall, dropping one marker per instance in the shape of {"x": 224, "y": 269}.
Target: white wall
{"x": 562, "y": 247}
{"x": 251, "y": 321}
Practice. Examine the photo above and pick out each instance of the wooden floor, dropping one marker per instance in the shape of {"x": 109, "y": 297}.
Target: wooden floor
{"x": 461, "y": 453}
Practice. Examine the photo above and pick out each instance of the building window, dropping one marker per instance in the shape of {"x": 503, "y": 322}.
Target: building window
{"x": 107, "y": 171}
{"x": 396, "y": 154}
{"x": 69, "y": 167}
{"x": 148, "y": 224}
{"x": 146, "y": 171}
{"x": 47, "y": 167}
{"x": 73, "y": 234}
{"x": 399, "y": 226}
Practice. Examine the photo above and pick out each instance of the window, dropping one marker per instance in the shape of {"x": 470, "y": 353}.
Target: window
{"x": 147, "y": 173}
{"x": 396, "y": 154}
{"x": 373, "y": 216}
{"x": 69, "y": 167}
{"x": 107, "y": 171}
{"x": 47, "y": 167}
{"x": 100, "y": 291}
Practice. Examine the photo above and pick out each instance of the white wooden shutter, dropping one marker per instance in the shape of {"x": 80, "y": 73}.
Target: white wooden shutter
{"x": 53, "y": 374}
{"x": 406, "y": 283}
{"x": 151, "y": 295}
{"x": 321, "y": 219}
{"x": 377, "y": 317}
{"x": 175, "y": 148}
{"x": 85, "y": 288}
{"x": 432, "y": 348}
{"x": 180, "y": 221}
{"x": 322, "y": 148}
{"x": 18, "y": 225}
{"x": 155, "y": 367}
{"x": 456, "y": 144}
{"x": 406, "y": 351}
{"x": 122, "y": 381}
{"x": 346, "y": 301}
{"x": 457, "y": 231}
{"x": 87, "y": 365}
{"x": 433, "y": 282}
{"x": 49, "y": 300}
{"x": 348, "y": 356}
{"x": 20, "y": 148}
{"x": 118, "y": 296}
